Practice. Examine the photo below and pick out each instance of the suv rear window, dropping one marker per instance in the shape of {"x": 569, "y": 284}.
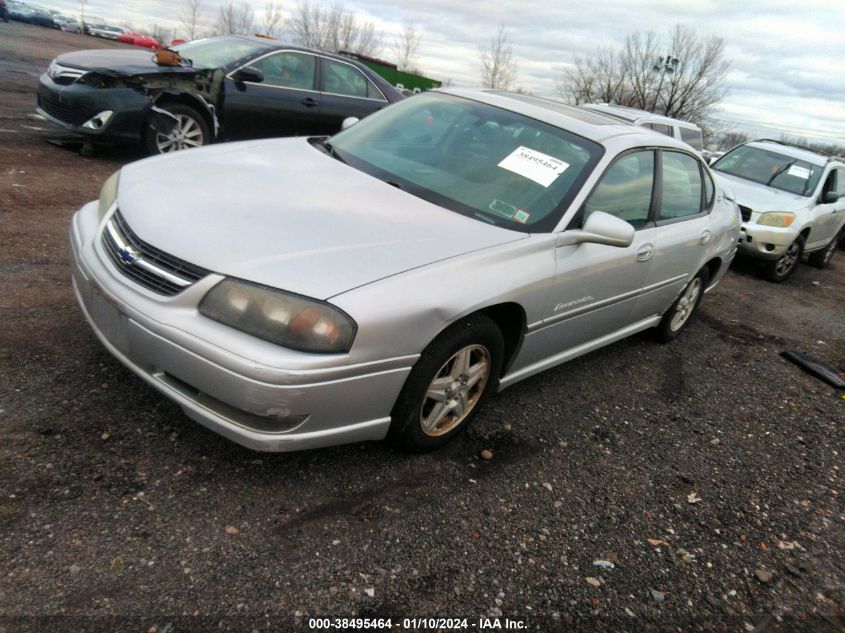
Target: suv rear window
{"x": 692, "y": 137}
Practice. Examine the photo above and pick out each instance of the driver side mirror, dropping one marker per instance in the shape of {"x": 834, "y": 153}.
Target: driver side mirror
{"x": 829, "y": 197}
{"x": 600, "y": 228}
{"x": 252, "y": 75}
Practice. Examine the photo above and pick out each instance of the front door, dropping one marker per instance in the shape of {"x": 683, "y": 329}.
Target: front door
{"x": 284, "y": 103}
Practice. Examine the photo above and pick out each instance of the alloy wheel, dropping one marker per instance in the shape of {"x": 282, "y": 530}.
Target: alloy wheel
{"x": 686, "y": 304}
{"x": 455, "y": 390}
{"x": 789, "y": 259}
{"x": 185, "y": 134}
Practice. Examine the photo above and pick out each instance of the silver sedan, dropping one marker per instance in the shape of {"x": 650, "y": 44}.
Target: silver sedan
{"x": 385, "y": 282}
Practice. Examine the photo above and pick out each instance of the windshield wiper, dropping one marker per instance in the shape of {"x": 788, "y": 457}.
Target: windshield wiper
{"x": 328, "y": 147}
{"x": 780, "y": 171}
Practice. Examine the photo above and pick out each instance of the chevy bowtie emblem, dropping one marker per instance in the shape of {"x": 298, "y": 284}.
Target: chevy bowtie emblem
{"x": 129, "y": 255}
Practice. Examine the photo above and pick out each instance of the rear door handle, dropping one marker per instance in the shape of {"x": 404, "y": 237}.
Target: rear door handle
{"x": 645, "y": 253}
{"x": 308, "y": 102}
{"x": 705, "y": 237}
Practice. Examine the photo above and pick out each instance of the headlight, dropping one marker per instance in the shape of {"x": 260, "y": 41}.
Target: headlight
{"x": 280, "y": 317}
{"x": 780, "y": 219}
{"x": 108, "y": 194}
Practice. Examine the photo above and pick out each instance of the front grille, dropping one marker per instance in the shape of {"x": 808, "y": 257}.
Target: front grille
{"x": 746, "y": 213}
{"x": 145, "y": 264}
{"x": 50, "y": 104}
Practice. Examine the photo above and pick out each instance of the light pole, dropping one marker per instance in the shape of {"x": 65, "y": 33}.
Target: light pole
{"x": 665, "y": 66}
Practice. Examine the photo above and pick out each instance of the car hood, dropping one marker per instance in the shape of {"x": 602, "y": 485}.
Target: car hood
{"x": 285, "y": 214}
{"x": 761, "y": 198}
{"x": 124, "y": 62}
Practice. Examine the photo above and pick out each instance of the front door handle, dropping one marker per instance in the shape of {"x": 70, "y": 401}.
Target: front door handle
{"x": 705, "y": 237}
{"x": 308, "y": 102}
{"x": 645, "y": 253}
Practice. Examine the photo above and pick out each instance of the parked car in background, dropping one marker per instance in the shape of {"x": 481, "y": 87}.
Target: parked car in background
{"x": 106, "y": 31}
{"x": 442, "y": 249}
{"x": 792, "y": 201}
{"x": 18, "y": 10}
{"x": 228, "y": 87}
{"x": 66, "y": 23}
{"x": 684, "y": 131}
{"x": 138, "y": 39}
{"x": 94, "y": 22}
{"x": 4, "y": 11}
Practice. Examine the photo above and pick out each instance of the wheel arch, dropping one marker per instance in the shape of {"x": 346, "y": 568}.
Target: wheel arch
{"x": 192, "y": 100}
{"x": 510, "y": 319}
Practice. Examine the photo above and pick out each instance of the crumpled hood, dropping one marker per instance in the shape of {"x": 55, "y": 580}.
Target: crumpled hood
{"x": 760, "y": 198}
{"x": 283, "y": 213}
{"x": 122, "y": 61}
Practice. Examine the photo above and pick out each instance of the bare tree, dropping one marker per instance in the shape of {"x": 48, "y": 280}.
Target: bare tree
{"x": 273, "y": 18}
{"x": 682, "y": 77}
{"x": 406, "y": 45}
{"x": 333, "y": 29}
{"x": 498, "y": 68}
{"x": 190, "y": 17}
{"x": 236, "y": 18}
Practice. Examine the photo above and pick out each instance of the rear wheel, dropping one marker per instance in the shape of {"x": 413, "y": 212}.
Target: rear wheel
{"x": 821, "y": 259}
{"x": 676, "y": 318}
{"x": 191, "y": 130}
{"x": 450, "y": 382}
{"x": 782, "y": 268}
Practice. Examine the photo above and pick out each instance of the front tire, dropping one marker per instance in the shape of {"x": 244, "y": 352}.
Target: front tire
{"x": 783, "y": 267}
{"x": 678, "y": 316}
{"x": 190, "y": 131}
{"x": 821, "y": 259}
{"x": 450, "y": 382}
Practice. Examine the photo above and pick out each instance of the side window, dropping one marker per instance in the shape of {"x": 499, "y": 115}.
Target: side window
{"x": 343, "y": 79}
{"x": 830, "y": 182}
{"x": 657, "y": 127}
{"x": 692, "y": 137}
{"x": 709, "y": 190}
{"x": 840, "y": 182}
{"x": 681, "y": 186}
{"x": 625, "y": 189}
{"x": 288, "y": 70}
{"x": 373, "y": 92}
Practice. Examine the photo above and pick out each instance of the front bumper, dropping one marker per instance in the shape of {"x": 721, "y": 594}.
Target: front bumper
{"x": 70, "y": 106}
{"x": 255, "y": 404}
{"x": 765, "y": 242}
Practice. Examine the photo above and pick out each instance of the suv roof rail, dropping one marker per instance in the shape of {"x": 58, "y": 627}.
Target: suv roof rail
{"x": 796, "y": 145}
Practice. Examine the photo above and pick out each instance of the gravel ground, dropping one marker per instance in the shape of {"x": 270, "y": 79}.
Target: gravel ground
{"x": 707, "y": 474}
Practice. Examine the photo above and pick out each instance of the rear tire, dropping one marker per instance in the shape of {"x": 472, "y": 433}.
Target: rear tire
{"x": 821, "y": 259}
{"x": 450, "y": 382}
{"x": 783, "y": 267}
{"x": 191, "y": 131}
{"x": 678, "y": 316}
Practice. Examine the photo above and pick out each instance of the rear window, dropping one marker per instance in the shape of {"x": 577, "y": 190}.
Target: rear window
{"x": 658, "y": 127}
{"x": 692, "y": 137}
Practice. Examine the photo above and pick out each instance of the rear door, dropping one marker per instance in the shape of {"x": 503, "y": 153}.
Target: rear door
{"x": 284, "y": 103}
{"x": 346, "y": 91}
{"x": 683, "y": 233}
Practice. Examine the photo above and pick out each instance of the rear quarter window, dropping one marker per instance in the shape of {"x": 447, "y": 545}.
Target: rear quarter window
{"x": 692, "y": 137}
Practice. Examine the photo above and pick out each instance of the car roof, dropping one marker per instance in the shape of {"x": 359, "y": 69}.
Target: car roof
{"x": 635, "y": 114}
{"x": 794, "y": 151}
{"x": 592, "y": 125}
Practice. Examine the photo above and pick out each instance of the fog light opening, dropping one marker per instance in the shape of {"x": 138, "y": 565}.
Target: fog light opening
{"x": 98, "y": 121}
{"x": 770, "y": 247}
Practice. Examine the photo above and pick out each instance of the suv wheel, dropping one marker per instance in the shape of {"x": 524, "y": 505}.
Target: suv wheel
{"x": 821, "y": 259}
{"x": 781, "y": 269}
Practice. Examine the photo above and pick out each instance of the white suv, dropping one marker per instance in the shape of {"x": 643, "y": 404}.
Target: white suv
{"x": 792, "y": 201}
{"x": 684, "y": 131}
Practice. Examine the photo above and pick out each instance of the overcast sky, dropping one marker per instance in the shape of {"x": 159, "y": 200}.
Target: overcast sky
{"x": 786, "y": 56}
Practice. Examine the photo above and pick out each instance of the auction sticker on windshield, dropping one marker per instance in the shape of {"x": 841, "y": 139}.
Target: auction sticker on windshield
{"x": 534, "y": 165}
{"x": 799, "y": 172}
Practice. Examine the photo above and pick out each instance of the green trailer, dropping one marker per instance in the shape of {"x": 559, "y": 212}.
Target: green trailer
{"x": 399, "y": 78}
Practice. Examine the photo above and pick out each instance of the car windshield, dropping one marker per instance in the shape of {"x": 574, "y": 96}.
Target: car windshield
{"x": 218, "y": 51}
{"x": 772, "y": 169}
{"x": 476, "y": 159}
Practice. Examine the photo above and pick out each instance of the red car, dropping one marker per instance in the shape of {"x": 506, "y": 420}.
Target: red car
{"x": 138, "y": 39}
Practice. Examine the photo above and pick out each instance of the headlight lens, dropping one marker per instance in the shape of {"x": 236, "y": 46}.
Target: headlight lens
{"x": 280, "y": 317}
{"x": 108, "y": 194}
{"x": 780, "y": 219}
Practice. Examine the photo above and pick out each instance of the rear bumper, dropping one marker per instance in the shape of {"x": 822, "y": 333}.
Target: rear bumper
{"x": 261, "y": 407}
{"x": 72, "y": 106}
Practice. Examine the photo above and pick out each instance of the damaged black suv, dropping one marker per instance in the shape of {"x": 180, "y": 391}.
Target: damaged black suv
{"x": 220, "y": 88}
